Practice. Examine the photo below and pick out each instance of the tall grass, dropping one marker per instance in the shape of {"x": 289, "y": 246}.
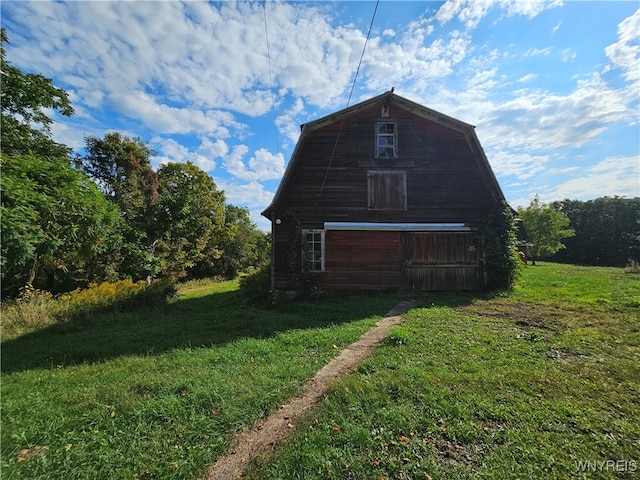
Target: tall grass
{"x": 36, "y": 309}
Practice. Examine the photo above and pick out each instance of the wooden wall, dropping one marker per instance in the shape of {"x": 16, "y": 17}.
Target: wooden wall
{"x": 362, "y": 260}
{"x": 444, "y": 183}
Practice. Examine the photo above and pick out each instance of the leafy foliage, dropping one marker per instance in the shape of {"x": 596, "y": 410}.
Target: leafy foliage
{"x": 36, "y": 309}
{"x": 107, "y": 215}
{"x": 256, "y": 285}
{"x": 607, "y": 231}
{"x": 121, "y": 167}
{"x": 190, "y": 216}
{"x": 496, "y": 239}
{"x": 56, "y": 225}
{"x": 25, "y": 99}
{"x": 241, "y": 246}
{"x": 546, "y": 228}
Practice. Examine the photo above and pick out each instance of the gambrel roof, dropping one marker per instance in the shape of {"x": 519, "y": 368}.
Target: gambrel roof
{"x": 389, "y": 98}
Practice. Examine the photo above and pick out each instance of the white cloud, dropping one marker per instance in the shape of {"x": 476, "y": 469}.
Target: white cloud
{"x": 613, "y": 176}
{"x": 520, "y": 165}
{"x": 252, "y": 195}
{"x": 203, "y": 156}
{"x": 287, "y": 123}
{"x": 527, "y": 77}
{"x": 162, "y": 118}
{"x": 471, "y": 12}
{"x": 625, "y": 53}
{"x": 262, "y": 166}
{"x": 549, "y": 120}
{"x": 535, "y": 52}
{"x": 568, "y": 55}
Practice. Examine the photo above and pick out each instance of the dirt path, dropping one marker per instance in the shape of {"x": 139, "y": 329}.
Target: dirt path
{"x": 248, "y": 444}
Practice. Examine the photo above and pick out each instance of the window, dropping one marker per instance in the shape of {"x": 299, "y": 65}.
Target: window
{"x": 313, "y": 250}
{"x": 387, "y": 190}
{"x": 386, "y": 140}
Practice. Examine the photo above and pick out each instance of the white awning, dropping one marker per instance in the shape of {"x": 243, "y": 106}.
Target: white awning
{"x": 398, "y": 227}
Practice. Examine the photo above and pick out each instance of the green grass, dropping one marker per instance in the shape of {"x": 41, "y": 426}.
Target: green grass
{"x": 524, "y": 385}
{"x": 521, "y": 385}
{"x": 158, "y": 394}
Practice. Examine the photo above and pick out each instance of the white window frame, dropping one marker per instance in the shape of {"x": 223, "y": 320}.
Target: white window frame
{"x": 387, "y": 148}
{"x": 311, "y": 265}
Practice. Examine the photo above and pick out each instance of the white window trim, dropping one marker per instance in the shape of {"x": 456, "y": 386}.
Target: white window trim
{"x": 305, "y": 232}
{"x": 395, "y": 137}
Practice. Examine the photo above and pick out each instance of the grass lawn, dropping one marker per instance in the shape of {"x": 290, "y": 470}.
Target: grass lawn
{"x": 158, "y": 394}
{"x": 534, "y": 384}
{"x": 523, "y": 385}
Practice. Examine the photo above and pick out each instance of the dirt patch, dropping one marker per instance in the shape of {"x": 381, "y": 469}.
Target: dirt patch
{"x": 526, "y": 316}
{"x": 248, "y": 444}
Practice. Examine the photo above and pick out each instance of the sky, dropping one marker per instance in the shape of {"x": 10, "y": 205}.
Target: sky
{"x": 552, "y": 87}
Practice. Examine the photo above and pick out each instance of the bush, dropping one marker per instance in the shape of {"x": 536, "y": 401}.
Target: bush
{"x": 123, "y": 294}
{"x": 496, "y": 237}
{"x": 32, "y": 310}
{"x": 256, "y": 286}
{"x": 36, "y": 309}
{"x": 633, "y": 267}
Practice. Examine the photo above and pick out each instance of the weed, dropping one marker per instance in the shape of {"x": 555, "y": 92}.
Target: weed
{"x": 633, "y": 266}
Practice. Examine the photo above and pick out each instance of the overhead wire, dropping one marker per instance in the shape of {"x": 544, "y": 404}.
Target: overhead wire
{"x": 353, "y": 86}
{"x": 273, "y": 99}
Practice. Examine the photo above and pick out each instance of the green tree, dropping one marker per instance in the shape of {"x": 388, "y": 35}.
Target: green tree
{"x": 190, "y": 217}
{"x": 57, "y": 228}
{"x": 121, "y": 167}
{"x": 243, "y": 245}
{"x": 546, "y": 228}
{"x": 607, "y": 231}
{"x": 25, "y": 99}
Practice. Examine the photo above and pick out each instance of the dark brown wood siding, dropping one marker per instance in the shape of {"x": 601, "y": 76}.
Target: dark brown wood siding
{"x": 440, "y": 261}
{"x": 332, "y": 178}
{"x": 362, "y": 260}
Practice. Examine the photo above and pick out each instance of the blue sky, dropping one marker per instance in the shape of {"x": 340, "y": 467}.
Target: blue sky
{"x": 553, "y": 87}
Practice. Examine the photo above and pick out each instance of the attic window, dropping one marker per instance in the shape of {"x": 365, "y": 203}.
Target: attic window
{"x": 386, "y": 139}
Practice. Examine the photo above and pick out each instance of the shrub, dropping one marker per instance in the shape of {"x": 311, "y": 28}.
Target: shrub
{"x": 496, "y": 237}
{"x": 36, "y": 309}
{"x": 633, "y": 266}
{"x": 32, "y": 310}
{"x": 118, "y": 295}
{"x": 256, "y": 286}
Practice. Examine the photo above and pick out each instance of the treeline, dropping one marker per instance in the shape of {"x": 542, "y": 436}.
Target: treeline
{"x": 106, "y": 214}
{"x": 607, "y": 231}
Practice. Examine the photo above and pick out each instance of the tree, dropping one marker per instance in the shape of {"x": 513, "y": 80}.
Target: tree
{"x": 57, "y": 228}
{"x": 607, "y": 230}
{"x": 25, "y": 99}
{"x": 242, "y": 245}
{"x": 545, "y": 227}
{"x": 190, "y": 217}
{"x": 121, "y": 167}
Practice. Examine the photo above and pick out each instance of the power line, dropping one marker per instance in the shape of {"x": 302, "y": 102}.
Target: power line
{"x": 353, "y": 86}
{"x": 273, "y": 100}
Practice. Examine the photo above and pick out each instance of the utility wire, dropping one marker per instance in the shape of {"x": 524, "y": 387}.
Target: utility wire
{"x": 353, "y": 86}
{"x": 273, "y": 100}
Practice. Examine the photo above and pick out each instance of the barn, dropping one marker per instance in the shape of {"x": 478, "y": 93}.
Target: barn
{"x": 385, "y": 194}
